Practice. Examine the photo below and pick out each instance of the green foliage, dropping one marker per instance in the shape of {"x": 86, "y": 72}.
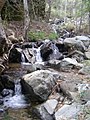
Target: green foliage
{"x": 34, "y": 36}
{"x": 87, "y": 4}
{"x": 12, "y": 11}
{"x": 52, "y": 36}
{"x": 7, "y": 117}
{"x": 39, "y": 35}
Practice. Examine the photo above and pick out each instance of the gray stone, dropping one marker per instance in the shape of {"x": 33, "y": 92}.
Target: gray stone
{"x": 84, "y": 91}
{"x": 42, "y": 113}
{"x": 54, "y": 64}
{"x": 73, "y": 44}
{"x": 39, "y": 84}
{"x": 68, "y": 112}
{"x": 85, "y": 70}
{"x": 84, "y": 39}
{"x": 15, "y": 55}
{"x": 68, "y": 63}
{"x": 50, "y": 105}
{"x": 87, "y": 54}
{"x": 78, "y": 55}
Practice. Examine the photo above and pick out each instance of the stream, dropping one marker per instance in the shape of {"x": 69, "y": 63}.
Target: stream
{"x": 16, "y": 105}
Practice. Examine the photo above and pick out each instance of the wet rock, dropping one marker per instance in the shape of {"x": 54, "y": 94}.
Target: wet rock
{"x": 61, "y": 46}
{"x": 1, "y": 86}
{"x": 55, "y": 54}
{"x": 39, "y": 84}
{"x": 1, "y": 100}
{"x": 68, "y": 112}
{"x": 72, "y": 44}
{"x": 28, "y": 67}
{"x": 28, "y": 55}
{"x": 6, "y": 92}
{"x": 6, "y": 82}
{"x": 15, "y": 55}
{"x": 42, "y": 113}
{"x": 2, "y": 113}
{"x": 32, "y": 67}
{"x": 46, "y": 50}
{"x": 27, "y": 45}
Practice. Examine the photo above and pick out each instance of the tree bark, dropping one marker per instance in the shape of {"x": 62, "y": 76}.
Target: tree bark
{"x": 81, "y": 18}
{"x": 2, "y": 2}
{"x": 49, "y": 11}
{"x": 26, "y": 19}
{"x": 3, "y": 40}
{"x": 89, "y": 21}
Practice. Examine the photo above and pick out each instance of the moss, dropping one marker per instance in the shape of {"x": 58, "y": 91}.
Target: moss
{"x": 86, "y": 62}
{"x": 53, "y": 36}
{"x": 34, "y": 36}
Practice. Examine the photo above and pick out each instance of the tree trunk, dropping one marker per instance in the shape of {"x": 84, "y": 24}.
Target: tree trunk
{"x": 37, "y": 9}
{"x": 26, "y": 19}
{"x": 3, "y": 39}
{"x": 49, "y": 11}
{"x": 81, "y": 16}
{"x": 89, "y": 21}
{"x": 65, "y": 11}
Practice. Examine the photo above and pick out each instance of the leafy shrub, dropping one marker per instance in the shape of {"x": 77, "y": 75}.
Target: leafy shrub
{"x": 39, "y": 35}
{"x": 53, "y": 36}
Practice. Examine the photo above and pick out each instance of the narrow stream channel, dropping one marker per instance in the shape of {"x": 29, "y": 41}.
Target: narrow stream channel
{"x": 17, "y": 105}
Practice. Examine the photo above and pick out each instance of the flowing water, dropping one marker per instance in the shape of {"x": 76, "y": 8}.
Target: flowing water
{"x": 17, "y": 105}
{"x": 18, "y": 100}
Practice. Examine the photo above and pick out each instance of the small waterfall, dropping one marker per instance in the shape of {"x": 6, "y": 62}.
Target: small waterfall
{"x": 37, "y": 54}
{"x": 22, "y": 58}
{"x": 55, "y": 51}
{"x": 18, "y": 88}
{"x": 18, "y": 100}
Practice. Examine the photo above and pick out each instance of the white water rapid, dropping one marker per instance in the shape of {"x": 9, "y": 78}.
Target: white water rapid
{"x": 16, "y": 101}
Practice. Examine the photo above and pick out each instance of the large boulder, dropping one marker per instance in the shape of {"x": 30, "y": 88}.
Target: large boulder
{"x": 6, "y": 83}
{"x": 72, "y": 44}
{"x": 39, "y": 84}
{"x": 42, "y": 113}
{"x": 84, "y": 39}
{"x": 69, "y": 63}
{"x": 15, "y": 55}
{"x": 68, "y": 112}
{"x": 50, "y": 51}
{"x": 46, "y": 110}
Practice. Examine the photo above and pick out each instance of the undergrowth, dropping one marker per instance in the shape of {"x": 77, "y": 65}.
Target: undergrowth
{"x": 39, "y": 35}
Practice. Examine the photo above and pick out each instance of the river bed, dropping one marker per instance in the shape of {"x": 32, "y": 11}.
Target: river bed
{"x": 16, "y": 106}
